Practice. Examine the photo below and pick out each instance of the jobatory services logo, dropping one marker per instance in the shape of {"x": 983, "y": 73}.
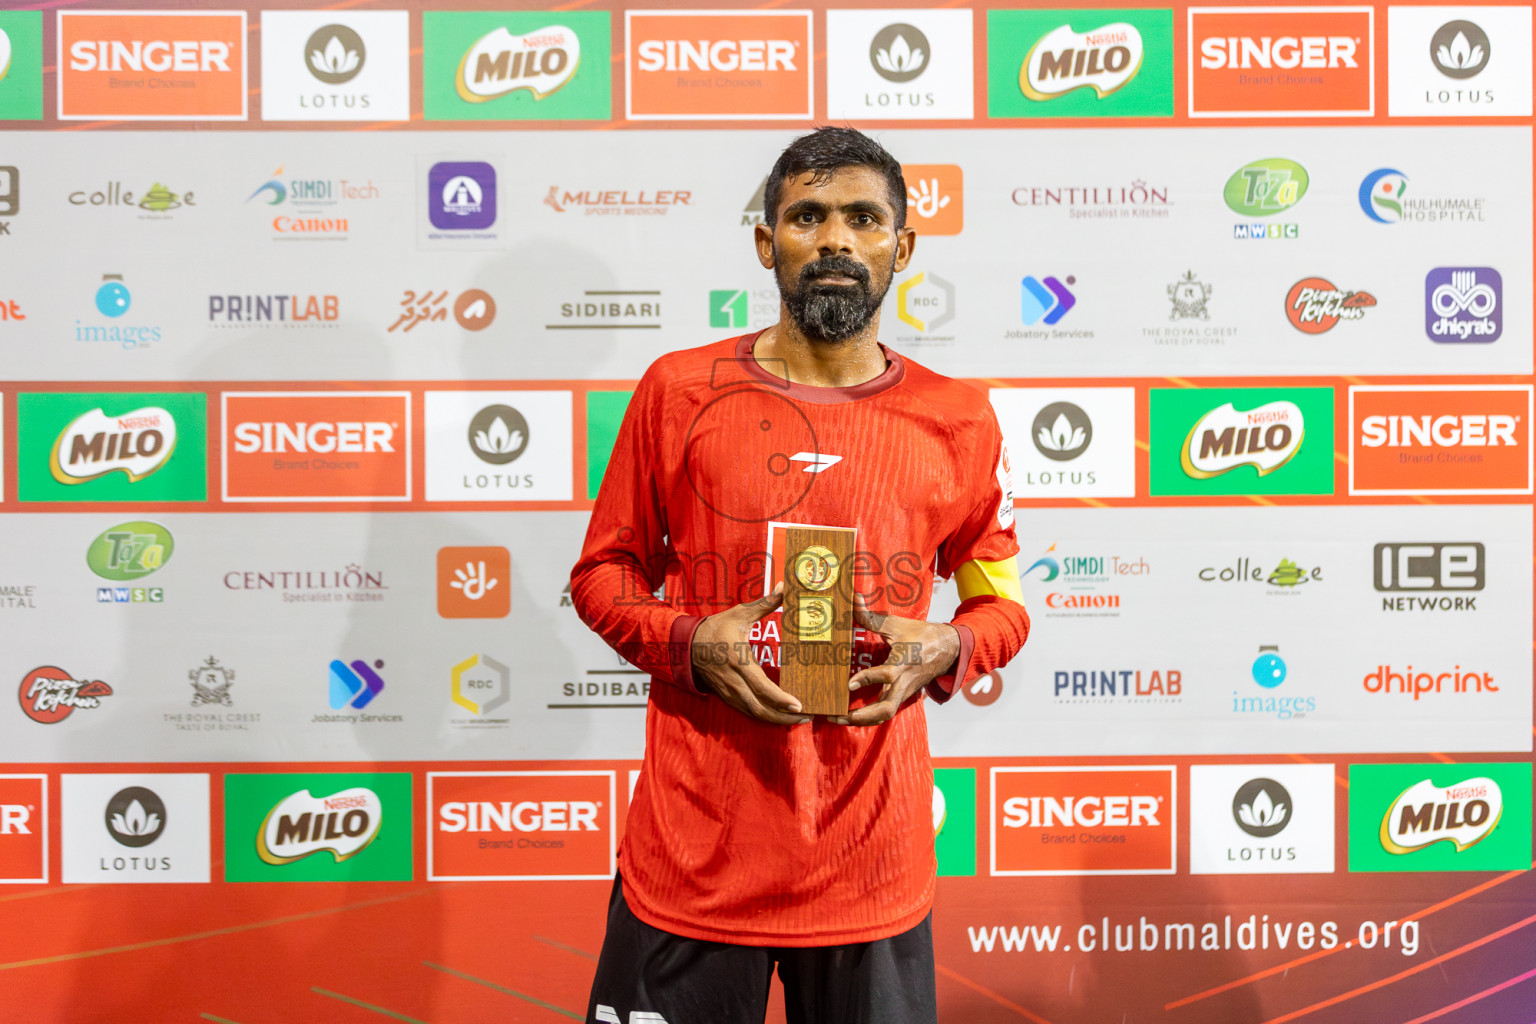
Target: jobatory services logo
{"x": 1084, "y": 821}
{"x": 499, "y": 445}
{"x": 516, "y": 66}
{"x": 23, "y": 829}
{"x": 1228, "y": 441}
{"x": 1046, "y": 300}
{"x": 1069, "y": 442}
{"x": 1264, "y": 188}
{"x": 1387, "y": 197}
{"x": 718, "y": 65}
{"x": 516, "y": 826}
{"x": 474, "y": 582}
{"x": 1440, "y": 817}
{"x": 48, "y": 694}
{"x": 1463, "y": 304}
{"x": 318, "y": 827}
{"x": 1080, "y": 63}
{"x": 335, "y": 66}
{"x": 306, "y": 446}
{"x": 1429, "y": 576}
{"x": 1314, "y": 305}
{"x": 900, "y": 64}
{"x": 1261, "y": 819}
{"x": 135, "y": 828}
{"x": 1440, "y": 439}
{"x": 1281, "y": 61}
{"x": 152, "y": 65}
{"x": 112, "y": 446}
{"x": 352, "y": 687}
{"x": 21, "y": 65}
{"x": 298, "y": 208}
{"x": 935, "y": 198}
{"x": 1459, "y": 61}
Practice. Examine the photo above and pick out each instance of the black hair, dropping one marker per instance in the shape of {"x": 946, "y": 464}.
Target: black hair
{"x": 826, "y": 150}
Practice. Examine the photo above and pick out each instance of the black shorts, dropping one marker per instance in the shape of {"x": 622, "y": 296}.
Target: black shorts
{"x": 649, "y": 976}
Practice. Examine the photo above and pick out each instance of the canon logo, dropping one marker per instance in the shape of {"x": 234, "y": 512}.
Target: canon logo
{"x": 523, "y": 816}
{"x": 1439, "y": 431}
{"x": 720, "y": 55}
{"x": 158, "y": 55}
{"x": 353, "y": 437}
{"x": 1080, "y": 811}
{"x": 1284, "y": 52}
{"x": 13, "y": 820}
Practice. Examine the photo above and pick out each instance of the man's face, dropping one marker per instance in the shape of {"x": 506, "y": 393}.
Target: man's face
{"x": 834, "y": 251}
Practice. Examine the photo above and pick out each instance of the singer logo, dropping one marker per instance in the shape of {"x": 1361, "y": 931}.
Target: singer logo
{"x": 1281, "y": 61}
{"x": 722, "y": 65}
{"x": 317, "y": 446}
{"x": 1084, "y": 821}
{"x": 509, "y": 826}
{"x": 1445, "y": 439}
{"x": 23, "y": 828}
{"x": 152, "y": 65}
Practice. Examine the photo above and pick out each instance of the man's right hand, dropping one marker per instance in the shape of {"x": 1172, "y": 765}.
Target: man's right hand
{"x": 722, "y": 659}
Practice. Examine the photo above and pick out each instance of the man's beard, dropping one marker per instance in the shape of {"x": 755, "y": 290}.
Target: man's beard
{"x": 831, "y": 313}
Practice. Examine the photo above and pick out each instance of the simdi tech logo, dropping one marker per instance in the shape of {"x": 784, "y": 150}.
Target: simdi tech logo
{"x": 23, "y": 829}
{"x": 718, "y": 65}
{"x": 1440, "y": 439}
{"x": 112, "y": 446}
{"x": 318, "y": 827}
{"x": 1232, "y": 441}
{"x": 152, "y": 65}
{"x": 518, "y": 826}
{"x": 1080, "y": 63}
{"x": 1440, "y": 817}
{"x": 1281, "y": 61}
{"x": 21, "y": 65}
{"x": 1118, "y": 820}
{"x": 301, "y": 446}
{"x": 516, "y": 66}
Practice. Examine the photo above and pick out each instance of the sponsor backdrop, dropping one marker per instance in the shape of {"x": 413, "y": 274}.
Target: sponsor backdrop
{"x": 318, "y": 325}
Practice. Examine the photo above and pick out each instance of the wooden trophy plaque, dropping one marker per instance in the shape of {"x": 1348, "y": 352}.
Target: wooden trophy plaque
{"x": 817, "y": 642}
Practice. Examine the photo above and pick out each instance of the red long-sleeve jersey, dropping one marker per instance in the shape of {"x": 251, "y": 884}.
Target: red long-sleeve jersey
{"x": 741, "y": 831}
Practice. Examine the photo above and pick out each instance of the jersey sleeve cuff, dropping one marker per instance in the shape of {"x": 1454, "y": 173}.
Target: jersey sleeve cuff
{"x": 680, "y": 651}
{"x": 943, "y": 687}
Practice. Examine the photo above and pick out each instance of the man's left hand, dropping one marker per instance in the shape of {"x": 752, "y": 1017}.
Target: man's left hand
{"x": 934, "y": 644}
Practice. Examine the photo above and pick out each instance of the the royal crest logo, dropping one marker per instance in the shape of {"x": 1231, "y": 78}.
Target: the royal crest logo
{"x": 210, "y": 683}
{"x": 1266, "y": 438}
{"x": 1462, "y": 814}
{"x": 136, "y": 444}
{"x": 301, "y": 824}
{"x": 49, "y": 695}
{"x": 499, "y": 62}
{"x": 1102, "y": 59}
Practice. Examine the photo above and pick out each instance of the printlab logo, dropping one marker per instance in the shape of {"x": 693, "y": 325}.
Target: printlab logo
{"x": 135, "y": 816}
{"x": 899, "y": 52}
{"x": 498, "y": 434}
{"x": 1460, "y": 49}
{"x": 474, "y": 582}
{"x": 210, "y": 683}
{"x": 935, "y": 198}
{"x": 1046, "y": 300}
{"x": 1061, "y": 431}
{"x": 356, "y": 685}
{"x": 1463, "y": 304}
{"x": 1314, "y": 305}
{"x": 1262, "y": 808}
{"x": 1074, "y": 63}
{"x": 49, "y": 695}
{"x": 461, "y": 195}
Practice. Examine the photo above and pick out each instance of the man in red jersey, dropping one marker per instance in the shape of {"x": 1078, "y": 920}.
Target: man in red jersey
{"x": 759, "y": 835}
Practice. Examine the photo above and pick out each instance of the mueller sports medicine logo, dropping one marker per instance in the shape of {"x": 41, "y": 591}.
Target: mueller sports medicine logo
{"x": 1281, "y": 61}
{"x": 1429, "y": 576}
{"x": 317, "y": 446}
{"x": 1440, "y": 438}
{"x": 541, "y": 61}
{"x": 1463, "y": 304}
{"x": 521, "y": 825}
{"x": 135, "y": 444}
{"x": 342, "y": 824}
{"x": 1083, "y": 821}
{"x": 1102, "y": 59}
{"x": 1265, "y": 437}
{"x": 721, "y": 65}
{"x": 152, "y": 65}
{"x": 1314, "y": 305}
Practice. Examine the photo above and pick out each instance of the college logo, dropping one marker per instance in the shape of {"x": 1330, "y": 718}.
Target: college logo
{"x": 49, "y": 694}
{"x": 474, "y": 583}
{"x": 317, "y": 446}
{"x": 1440, "y": 817}
{"x": 152, "y": 65}
{"x": 1242, "y": 441}
{"x": 499, "y": 445}
{"x": 935, "y": 198}
{"x": 1463, "y": 304}
{"x": 23, "y": 829}
{"x": 1261, "y": 819}
{"x": 117, "y": 446}
{"x": 1454, "y": 571}
{"x": 155, "y": 202}
{"x": 317, "y": 827}
{"x": 135, "y": 828}
{"x": 21, "y": 65}
{"x": 1281, "y": 62}
{"x": 1084, "y": 821}
{"x": 1440, "y": 438}
{"x": 513, "y": 66}
{"x": 1069, "y": 442}
{"x": 1459, "y": 61}
{"x": 515, "y": 826}
{"x": 1314, "y": 305}
{"x": 743, "y": 65}
{"x": 1074, "y": 63}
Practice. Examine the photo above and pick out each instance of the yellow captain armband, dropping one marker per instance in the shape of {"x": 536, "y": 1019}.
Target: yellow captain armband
{"x": 999, "y": 579}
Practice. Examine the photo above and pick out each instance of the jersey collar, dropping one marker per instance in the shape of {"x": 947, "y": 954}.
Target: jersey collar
{"x": 895, "y": 370}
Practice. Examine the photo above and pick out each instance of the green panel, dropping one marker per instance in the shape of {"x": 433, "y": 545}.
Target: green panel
{"x": 955, "y": 845}
{"x": 448, "y": 36}
{"x": 1011, "y": 35}
{"x": 728, "y": 307}
{"x": 605, "y": 411}
{"x": 1175, "y": 412}
{"x": 249, "y": 798}
{"x": 1373, "y": 789}
{"x": 21, "y": 81}
{"x": 42, "y": 417}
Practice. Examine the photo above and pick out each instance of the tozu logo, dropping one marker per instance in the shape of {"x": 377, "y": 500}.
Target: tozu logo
{"x": 1440, "y": 438}
{"x": 342, "y": 824}
{"x": 724, "y": 65}
{"x": 1084, "y": 821}
{"x": 510, "y": 826}
{"x": 317, "y": 446}
{"x": 1102, "y": 59}
{"x": 135, "y": 444}
{"x": 499, "y": 62}
{"x": 1281, "y": 61}
{"x": 1265, "y": 437}
{"x": 152, "y": 65}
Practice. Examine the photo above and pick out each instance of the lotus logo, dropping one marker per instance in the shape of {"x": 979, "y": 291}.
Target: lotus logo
{"x": 335, "y": 54}
{"x": 1061, "y": 431}
{"x": 1424, "y": 814}
{"x": 136, "y": 444}
{"x": 899, "y": 52}
{"x": 343, "y": 823}
{"x": 1459, "y": 49}
{"x": 135, "y": 816}
{"x": 1102, "y": 59}
{"x": 1265, "y": 438}
{"x": 1261, "y": 808}
{"x": 498, "y": 434}
{"x": 498, "y": 63}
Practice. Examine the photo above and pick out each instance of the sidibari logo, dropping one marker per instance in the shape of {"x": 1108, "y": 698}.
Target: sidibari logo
{"x": 1314, "y": 305}
{"x": 1266, "y": 438}
{"x": 301, "y": 824}
{"x": 541, "y": 61}
{"x": 128, "y": 551}
{"x": 1266, "y": 187}
{"x": 1462, "y": 814}
{"x": 1102, "y": 59}
{"x": 136, "y": 444}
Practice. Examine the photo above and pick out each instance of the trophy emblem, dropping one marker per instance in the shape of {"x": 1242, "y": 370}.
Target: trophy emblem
{"x": 817, "y": 645}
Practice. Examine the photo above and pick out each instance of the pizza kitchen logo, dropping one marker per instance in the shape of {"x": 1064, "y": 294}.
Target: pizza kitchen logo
{"x": 1281, "y": 62}
{"x": 49, "y": 694}
{"x": 1314, "y": 305}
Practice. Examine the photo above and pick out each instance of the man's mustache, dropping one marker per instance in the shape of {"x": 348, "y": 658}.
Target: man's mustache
{"x": 834, "y": 266}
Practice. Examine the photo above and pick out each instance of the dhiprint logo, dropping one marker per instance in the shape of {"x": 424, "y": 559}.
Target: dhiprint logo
{"x": 935, "y": 198}
{"x": 1314, "y": 305}
{"x": 1281, "y": 61}
{"x": 1439, "y": 817}
{"x": 335, "y": 54}
{"x": 1254, "y": 819}
{"x": 462, "y": 195}
{"x": 1440, "y": 438}
{"x": 135, "y": 816}
{"x": 1460, "y": 49}
{"x": 49, "y": 694}
{"x": 1463, "y": 304}
{"x": 541, "y": 61}
{"x": 1062, "y": 431}
{"x": 23, "y": 829}
{"x": 512, "y": 826}
{"x": 1084, "y": 821}
{"x": 356, "y": 685}
{"x": 1459, "y": 61}
{"x": 474, "y": 582}
{"x": 899, "y": 52}
{"x": 1262, "y": 808}
{"x": 498, "y": 434}
{"x": 152, "y": 65}
{"x": 1047, "y": 300}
